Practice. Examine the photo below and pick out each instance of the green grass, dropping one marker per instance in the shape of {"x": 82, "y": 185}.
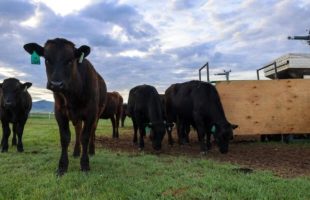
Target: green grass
{"x": 116, "y": 175}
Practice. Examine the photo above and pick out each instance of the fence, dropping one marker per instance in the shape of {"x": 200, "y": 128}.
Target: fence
{"x": 267, "y": 106}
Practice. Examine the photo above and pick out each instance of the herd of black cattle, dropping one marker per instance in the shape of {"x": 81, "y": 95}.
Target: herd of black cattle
{"x": 81, "y": 97}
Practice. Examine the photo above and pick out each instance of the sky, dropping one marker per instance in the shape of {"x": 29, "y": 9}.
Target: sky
{"x": 159, "y": 43}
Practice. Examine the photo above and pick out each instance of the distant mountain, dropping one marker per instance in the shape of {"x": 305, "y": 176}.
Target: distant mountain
{"x": 42, "y": 106}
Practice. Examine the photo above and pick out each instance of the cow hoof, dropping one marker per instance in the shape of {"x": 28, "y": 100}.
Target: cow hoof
{"x": 60, "y": 172}
{"x": 85, "y": 168}
{"x": 203, "y": 153}
{"x": 91, "y": 150}
{"x": 20, "y": 150}
{"x": 4, "y": 150}
{"x": 140, "y": 149}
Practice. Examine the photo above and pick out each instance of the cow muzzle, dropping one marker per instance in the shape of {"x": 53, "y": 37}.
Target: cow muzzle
{"x": 9, "y": 104}
{"x": 55, "y": 86}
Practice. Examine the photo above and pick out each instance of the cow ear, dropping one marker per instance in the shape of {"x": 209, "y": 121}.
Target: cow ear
{"x": 83, "y": 49}
{"x": 26, "y": 85}
{"x": 31, "y": 47}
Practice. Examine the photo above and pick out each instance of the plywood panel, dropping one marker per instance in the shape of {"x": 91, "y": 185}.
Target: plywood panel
{"x": 267, "y": 106}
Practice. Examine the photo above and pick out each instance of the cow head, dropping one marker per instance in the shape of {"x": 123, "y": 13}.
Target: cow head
{"x": 169, "y": 126}
{"x": 61, "y": 61}
{"x": 11, "y": 91}
{"x": 158, "y": 133}
{"x": 223, "y": 133}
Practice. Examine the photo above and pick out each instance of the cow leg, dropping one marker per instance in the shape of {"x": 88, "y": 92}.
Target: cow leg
{"x": 78, "y": 132}
{"x": 209, "y": 141}
{"x": 181, "y": 128}
{"x": 5, "y": 137}
{"x": 91, "y": 150}
{"x": 65, "y": 136}
{"x": 14, "y": 140}
{"x": 117, "y": 125}
{"x": 142, "y": 134}
{"x": 113, "y": 126}
{"x": 19, "y": 131}
{"x": 135, "y": 127}
{"x": 179, "y": 132}
{"x": 122, "y": 121}
{"x": 187, "y": 129}
{"x": 201, "y": 132}
{"x": 88, "y": 132}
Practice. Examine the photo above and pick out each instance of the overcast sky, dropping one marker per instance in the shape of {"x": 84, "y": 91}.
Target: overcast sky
{"x": 156, "y": 42}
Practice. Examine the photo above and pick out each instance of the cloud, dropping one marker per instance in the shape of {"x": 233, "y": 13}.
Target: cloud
{"x": 185, "y": 4}
{"x": 122, "y": 15}
{"x": 154, "y": 42}
{"x": 40, "y": 94}
{"x": 6, "y": 72}
{"x": 15, "y": 10}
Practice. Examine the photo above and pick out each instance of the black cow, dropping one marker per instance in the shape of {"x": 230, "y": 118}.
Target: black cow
{"x": 124, "y": 114}
{"x": 15, "y": 105}
{"x": 79, "y": 93}
{"x": 197, "y": 103}
{"x": 113, "y": 111}
{"x": 145, "y": 109}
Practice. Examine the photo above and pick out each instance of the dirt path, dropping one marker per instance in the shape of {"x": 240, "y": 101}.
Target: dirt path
{"x": 284, "y": 160}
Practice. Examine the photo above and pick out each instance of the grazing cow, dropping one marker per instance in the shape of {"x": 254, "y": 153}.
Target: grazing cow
{"x": 113, "y": 111}
{"x": 197, "y": 103}
{"x": 124, "y": 114}
{"x": 15, "y": 106}
{"x": 145, "y": 109}
{"x": 79, "y": 93}
{"x": 183, "y": 128}
{"x": 168, "y": 125}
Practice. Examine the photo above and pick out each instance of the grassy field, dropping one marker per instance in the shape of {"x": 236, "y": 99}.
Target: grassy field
{"x": 116, "y": 175}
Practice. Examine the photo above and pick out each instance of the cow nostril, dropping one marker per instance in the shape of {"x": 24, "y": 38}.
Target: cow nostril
{"x": 58, "y": 84}
{"x": 8, "y": 103}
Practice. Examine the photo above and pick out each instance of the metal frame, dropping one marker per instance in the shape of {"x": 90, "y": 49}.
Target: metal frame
{"x": 207, "y": 67}
{"x": 275, "y": 69}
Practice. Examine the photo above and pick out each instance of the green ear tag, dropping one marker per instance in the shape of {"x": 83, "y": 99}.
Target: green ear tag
{"x": 81, "y": 57}
{"x": 213, "y": 129}
{"x": 147, "y": 130}
{"x": 35, "y": 58}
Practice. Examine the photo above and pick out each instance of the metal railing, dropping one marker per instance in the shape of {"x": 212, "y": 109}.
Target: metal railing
{"x": 275, "y": 69}
{"x": 201, "y": 68}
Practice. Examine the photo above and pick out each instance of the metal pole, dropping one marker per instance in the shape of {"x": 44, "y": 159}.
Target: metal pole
{"x": 205, "y": 65}
{"x": 275, "y": 70}
{"x": 257, "y": 73}
{"x": 208, "y": 75}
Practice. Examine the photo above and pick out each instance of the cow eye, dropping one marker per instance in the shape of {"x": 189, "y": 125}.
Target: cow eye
{"x": 47, "y": 61}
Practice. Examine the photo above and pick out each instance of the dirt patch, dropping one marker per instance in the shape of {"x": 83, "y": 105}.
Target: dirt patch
{"x": 175, "y": 192}
{"x": 282, "y": 159}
